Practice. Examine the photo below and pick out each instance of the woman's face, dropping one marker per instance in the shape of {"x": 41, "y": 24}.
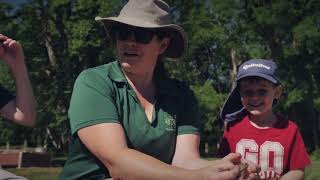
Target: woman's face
{"x": 138, "y": 48}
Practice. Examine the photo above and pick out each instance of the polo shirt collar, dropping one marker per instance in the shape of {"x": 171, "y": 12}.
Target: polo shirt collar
{"x": 165, "y": 85}
{"x": 115, "y": 72}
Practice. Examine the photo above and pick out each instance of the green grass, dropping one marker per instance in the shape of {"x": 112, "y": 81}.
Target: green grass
{"x": 312, "y": 172}
{"x": 37, "y": 173}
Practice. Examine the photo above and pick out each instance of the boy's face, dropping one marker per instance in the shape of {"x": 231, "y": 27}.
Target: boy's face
{"x": 257, "y": 95}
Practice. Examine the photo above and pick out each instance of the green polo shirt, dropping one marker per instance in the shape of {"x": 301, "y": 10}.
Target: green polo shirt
{"x": 103, "y": 95}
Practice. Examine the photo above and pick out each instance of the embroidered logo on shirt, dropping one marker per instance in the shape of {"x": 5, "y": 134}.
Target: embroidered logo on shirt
{"x": 170, "y": 122}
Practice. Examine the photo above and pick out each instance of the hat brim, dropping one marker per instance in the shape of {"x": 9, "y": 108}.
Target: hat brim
{"x": 233, "y": 109}
{"x": 178, "y": 38}
{"x": 264, "y": 76}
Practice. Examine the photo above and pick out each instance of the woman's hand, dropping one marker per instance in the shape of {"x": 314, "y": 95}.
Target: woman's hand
{"x": 224, "y": 169}
{"x": 11, "y": 52}
{"x": 249, "y": 170}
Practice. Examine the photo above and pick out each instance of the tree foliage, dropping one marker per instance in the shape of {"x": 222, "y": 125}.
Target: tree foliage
{"x": 61, "y": 38}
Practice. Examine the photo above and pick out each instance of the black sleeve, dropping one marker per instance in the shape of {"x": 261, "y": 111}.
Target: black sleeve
{"x": 5, "y": 97}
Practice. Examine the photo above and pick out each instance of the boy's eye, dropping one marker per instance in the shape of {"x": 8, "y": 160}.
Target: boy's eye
{"x": 246, "y": 93}
{"x": 262, "y": 92}
{"x": 250, "y": 93}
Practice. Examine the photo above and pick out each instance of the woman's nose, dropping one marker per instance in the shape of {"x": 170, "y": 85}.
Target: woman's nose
{"x": 131, "y": 37}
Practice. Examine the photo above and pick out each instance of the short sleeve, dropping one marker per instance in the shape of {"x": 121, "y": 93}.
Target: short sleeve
{"x": 189, "y": 123}
{"x": 5, "y": 97}
{"x": 92, "y": 101}
{"x": 299, "y": 157}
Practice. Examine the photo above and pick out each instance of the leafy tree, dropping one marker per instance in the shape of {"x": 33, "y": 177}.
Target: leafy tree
{"x": 61, "y": 38}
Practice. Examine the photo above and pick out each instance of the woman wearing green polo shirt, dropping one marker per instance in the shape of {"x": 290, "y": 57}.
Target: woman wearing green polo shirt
{"x": 131, "y": 121}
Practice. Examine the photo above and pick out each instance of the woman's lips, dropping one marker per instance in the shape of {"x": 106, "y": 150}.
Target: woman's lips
{"x": 130, "y": 54}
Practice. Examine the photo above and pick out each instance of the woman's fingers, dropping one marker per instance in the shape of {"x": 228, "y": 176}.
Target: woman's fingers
{"x": 225, "y": 166}
{"x": 254, "y": 176}
{"x": 222, "y": 169}
{"x": 252, "y": 167}
{"x": 3, "y": 37}
{"x": 233, "y": 157}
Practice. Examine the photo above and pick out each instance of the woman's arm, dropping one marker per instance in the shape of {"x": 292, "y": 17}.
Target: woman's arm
{"x": 107, "y": 142}
{"x": 187, "y": 156}
{"x": 21, "y": 109}
{"x": 187, "y": 153}
{"x": 293, "y": 175}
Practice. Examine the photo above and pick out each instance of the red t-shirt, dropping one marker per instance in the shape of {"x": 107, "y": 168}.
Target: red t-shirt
{"x": 277, "y": 150}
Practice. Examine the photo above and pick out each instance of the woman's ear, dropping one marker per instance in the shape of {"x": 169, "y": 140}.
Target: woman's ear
{"x": 164, "y": 44}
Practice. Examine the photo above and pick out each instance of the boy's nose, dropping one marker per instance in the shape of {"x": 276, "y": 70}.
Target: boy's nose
{"x": 254, "y": 96}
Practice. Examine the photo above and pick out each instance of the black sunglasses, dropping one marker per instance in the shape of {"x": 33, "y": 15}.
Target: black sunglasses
{"x": 124, "y": 32}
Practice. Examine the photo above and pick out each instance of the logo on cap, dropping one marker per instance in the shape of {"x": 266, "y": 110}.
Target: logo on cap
{"x": 245, "y": 67}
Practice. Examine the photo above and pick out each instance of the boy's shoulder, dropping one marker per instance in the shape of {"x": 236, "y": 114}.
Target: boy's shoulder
{"x": 239, "y": 123}
{"x": 282, "y": 123}
{"x": 285, "y": 122}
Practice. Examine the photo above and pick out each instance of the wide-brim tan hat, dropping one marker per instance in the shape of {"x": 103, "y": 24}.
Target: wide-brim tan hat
{"x": 151, "y": 14}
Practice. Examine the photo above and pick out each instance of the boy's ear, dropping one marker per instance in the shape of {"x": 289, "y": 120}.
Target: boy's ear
{"x": 278, "y": 92}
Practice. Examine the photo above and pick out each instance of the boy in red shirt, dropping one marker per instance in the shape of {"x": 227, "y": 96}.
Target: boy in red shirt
{"x": 253, "y": 130}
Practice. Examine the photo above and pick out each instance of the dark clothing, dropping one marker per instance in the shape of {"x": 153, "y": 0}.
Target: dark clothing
{"x": 5, "y": 97}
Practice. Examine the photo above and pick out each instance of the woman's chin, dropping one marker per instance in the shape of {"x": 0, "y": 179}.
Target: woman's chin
{"x": 126, "y": 65}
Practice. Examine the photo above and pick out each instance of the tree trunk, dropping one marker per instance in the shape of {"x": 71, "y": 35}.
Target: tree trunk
{"x": 315, "y": 130}
{"x": 46, "y": 33}
{"x": 50, "y": 51}
{"x": 25, "y": 145}
{"x": 313, "y": 111}
{"x": 235, "y": 62}
{"x": 7, "y": 145}
{"x": 54, "y": 143}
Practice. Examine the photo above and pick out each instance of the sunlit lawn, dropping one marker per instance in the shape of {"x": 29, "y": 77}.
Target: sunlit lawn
{"x": 37, "y": 173}
{"x": 312, "y": 172}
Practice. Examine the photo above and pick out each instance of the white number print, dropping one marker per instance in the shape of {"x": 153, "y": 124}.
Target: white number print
{"x": 270, "y": 158}
{"x": 248, "y": 148}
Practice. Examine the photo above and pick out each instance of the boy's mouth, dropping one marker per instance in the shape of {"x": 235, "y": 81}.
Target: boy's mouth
{"x": 255, "y": 105}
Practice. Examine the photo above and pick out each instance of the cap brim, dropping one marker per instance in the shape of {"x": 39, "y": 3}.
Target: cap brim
{"x": 233, "y": 109}
{"x": 264, "y": 76}
{"x": 178, "y": 40}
